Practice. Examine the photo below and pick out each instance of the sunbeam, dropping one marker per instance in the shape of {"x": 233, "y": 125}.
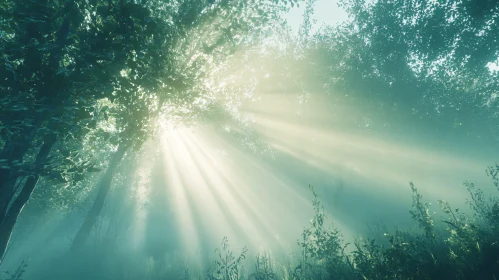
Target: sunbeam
{"x": 257, "y": 211}
{"x": 325, "y": 140}
{"x": 185, "y": 218}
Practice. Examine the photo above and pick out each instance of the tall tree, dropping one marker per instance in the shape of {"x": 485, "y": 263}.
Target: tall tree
{"x": 203, "y": 37}
{"x": 90, "y": 44}
{"x": 421, "y": 60}
{"x": 80, "y": 66}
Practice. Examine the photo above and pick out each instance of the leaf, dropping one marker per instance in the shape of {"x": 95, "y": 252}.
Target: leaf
{"x": 65, "y": 153}
{"x": 92, "y": 124}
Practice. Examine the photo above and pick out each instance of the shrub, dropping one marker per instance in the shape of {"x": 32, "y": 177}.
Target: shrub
{"x": 227, "y": 265}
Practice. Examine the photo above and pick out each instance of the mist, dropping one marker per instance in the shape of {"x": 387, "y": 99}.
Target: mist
{"x": 195, "y": 186}
{"x": 281, "y": 132}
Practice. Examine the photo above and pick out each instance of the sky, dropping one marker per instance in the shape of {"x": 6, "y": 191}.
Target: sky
{"x": 325, "y": 12}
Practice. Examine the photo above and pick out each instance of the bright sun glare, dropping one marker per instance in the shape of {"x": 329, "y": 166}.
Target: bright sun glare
{"x": 219, "y": 189}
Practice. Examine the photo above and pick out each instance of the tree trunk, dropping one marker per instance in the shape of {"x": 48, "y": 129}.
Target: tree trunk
{"x": 13, "y": 150}
{"x": 103, "y": 186}
{"x": 9, "y": 221}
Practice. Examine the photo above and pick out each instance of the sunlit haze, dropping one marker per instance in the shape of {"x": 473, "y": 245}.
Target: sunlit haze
{"x": 220, "y": 133}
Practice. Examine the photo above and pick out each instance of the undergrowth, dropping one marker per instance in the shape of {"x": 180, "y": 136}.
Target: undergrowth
{"x": 459, "y": 246}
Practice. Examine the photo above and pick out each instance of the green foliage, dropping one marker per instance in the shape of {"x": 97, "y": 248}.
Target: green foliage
{"x": 97, "y": 75}
{"x": 264, "y": 268}
{"x": 227, "y": 265}
{"x": 322, "y": 253}
{"x": 466, "y": 249}
{"x": 422, "y": 213}
{"x": 420, "y": 60}
{"x": 460, "y": 247}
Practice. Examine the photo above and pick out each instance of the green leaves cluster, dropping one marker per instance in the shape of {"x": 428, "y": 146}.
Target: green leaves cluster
{"x": 227, "y": 265}
{"x": 98, "y": 74}
{"x": 419, "y": 60}
{"x": 463, "y": 247}
{"x": 460, "y": 247}
{"x": 322, "y": 249}
{"x": 264, "y": 268}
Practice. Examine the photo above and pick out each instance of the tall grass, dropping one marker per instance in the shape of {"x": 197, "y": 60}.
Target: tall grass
{"x": 457, "y": 246}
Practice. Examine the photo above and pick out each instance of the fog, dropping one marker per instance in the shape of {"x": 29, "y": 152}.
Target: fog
{"x": 189, "y": 187}
{"x": 195, "y": 185}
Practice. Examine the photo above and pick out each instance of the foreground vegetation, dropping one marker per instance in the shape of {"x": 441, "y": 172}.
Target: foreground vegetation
{"x": 459, "y": 246}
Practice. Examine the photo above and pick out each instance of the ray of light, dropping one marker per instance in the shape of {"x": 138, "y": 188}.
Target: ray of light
{"x": 230, "y": 207}
{"x": 319, "y": 141}
{"x": 253, "y": 198}
{"x": 259, "y": 211}
{"x": 141, "y": 192}
{"x": 185, "y": 222}
{"x": 199, "y": 189}
{"x": 207, "y": 190}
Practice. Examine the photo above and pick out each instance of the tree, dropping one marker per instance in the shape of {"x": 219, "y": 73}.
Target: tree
{"x": 122, "y": 51}
{"x": 184, "y": 92}
{"x": 419, "y": 60}
{"x": 90, "y": 45}
{"x": 61, "y": 88}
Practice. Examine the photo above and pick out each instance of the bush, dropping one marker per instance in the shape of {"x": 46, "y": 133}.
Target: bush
{"x": 227, "y": 265}
{"x": 459, "y": 246}
{"x": 467, "y": 248}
